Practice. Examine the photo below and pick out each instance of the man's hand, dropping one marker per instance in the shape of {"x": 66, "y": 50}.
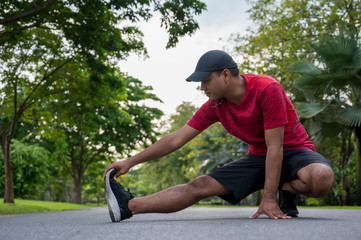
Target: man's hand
{"x": 121, "y": 166}
{"x": 270, "y": 208}
{"x": 161, "y": 148}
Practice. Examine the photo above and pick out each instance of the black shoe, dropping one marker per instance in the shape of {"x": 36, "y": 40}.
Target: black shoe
{"x": 287, "y": 203}
{"x": 117, "y": 198}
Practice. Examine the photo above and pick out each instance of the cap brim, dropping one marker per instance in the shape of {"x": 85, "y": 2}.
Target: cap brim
{"x": 198, "y": 76}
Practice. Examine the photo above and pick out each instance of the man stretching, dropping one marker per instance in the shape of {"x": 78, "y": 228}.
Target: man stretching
{"x": 255, "y": 109}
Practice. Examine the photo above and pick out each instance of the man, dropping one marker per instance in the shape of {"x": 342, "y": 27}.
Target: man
{"x": 255, "y": 109}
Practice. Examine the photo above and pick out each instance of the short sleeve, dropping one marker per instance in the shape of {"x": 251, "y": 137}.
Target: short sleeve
{"x": 274, "y": 106}
{"x": 203, "y": 118}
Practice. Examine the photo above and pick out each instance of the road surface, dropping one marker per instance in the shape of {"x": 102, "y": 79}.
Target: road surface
{"x": 191, "y": 223}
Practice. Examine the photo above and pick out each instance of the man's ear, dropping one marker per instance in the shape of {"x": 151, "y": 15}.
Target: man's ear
{"x": 227, "y": 75}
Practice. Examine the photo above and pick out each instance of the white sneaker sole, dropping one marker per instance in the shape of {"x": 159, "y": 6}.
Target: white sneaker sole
{"x": 113, "y": 207}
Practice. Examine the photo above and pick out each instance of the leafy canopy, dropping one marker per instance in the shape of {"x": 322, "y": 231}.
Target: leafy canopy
{"x": 332, "y": 86}
{"x": 281, "y": 31}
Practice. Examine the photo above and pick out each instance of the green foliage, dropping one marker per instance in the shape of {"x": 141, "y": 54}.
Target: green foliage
{"x": 93, "y": 184}
{"x": 214, "y": 148}
{"x": 77, "y": 20}
{"x": 57, "y": 73}
{"x": 308, "y": 110}
{"x": 27, "y": 74}
{"x": 332, "y": 91}
{"x": 184, "y": 112}
{"x": 301, "y": 34}
{"x": 169, "y": 170}
{"x": 92, "y": 124}
{"x": 313, "y": 202}
{"x": 334, "y": 88}
{"x": 177, "y": 17}
{"x": 31, "y": 174}
{"x": 282, "y": 29}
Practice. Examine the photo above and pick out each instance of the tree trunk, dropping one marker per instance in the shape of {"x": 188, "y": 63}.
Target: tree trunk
{"x": 258, "y": 197}
{"x": 346, "y": 200}
{"x": 66, "y": 194}
{"x": 77, "y": 189}
{"x": 9, "y": 181}
{"x": 358, "y": 181}
{"x": 347, "y": 149}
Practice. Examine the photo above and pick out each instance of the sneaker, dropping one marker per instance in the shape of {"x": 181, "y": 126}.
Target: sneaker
{"x": 287, "y": 203}
{"x": 117, "y": 198}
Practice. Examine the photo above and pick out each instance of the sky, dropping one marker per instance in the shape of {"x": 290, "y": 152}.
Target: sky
{"x": 166, "y": 69}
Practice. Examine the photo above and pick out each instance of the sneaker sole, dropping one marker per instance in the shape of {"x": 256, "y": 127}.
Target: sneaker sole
{"x": 293, "y": 213}
{"x": 113, "y": 207}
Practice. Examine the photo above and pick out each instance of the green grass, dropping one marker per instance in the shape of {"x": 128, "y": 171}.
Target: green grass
{"x": 29, "y": 206}
{"x": 332, "y": 207}
{"x": 319, "y": 207}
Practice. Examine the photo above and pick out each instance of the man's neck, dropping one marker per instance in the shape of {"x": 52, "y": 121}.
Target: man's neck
{"x": 237, "y": 91}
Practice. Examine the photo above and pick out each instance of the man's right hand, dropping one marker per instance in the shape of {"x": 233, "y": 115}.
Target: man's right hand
{"x": 121, "y": 166}
{"x": 270, "y": 208}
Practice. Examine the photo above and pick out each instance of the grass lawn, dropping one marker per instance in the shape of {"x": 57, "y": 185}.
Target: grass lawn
{"x": 28, "y": 206}
{"x": 319, "y": 207}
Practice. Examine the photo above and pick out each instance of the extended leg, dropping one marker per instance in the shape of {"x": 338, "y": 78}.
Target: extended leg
{"x": 178, "y": 197}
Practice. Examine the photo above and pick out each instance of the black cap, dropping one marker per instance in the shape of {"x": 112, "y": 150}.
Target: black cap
{"x": 211, "y": 61}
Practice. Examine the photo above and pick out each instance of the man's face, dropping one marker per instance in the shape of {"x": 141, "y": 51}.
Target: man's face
{"x": 213, "y": 86}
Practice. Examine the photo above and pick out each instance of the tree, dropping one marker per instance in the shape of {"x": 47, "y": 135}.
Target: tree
{"x": 280, "y": 35}
{"x": 80, "y": 19}
{"x": 332, "y": 89}
{"x": 31, "y": 163}
{"x": 169, "y": 170}
{"x": 38, "y": 38}
{"x": 19, "y": 90}
{"x": 93, "y": 184}
{"x": 282, "y": 29}
{"x": 94, "y": 121}
{"x": 216, "y": 147}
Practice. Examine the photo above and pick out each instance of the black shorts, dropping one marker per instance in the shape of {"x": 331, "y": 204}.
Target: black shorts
{"x": 247, "y": 175}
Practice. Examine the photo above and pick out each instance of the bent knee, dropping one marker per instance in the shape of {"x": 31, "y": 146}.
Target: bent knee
{"x": 322, "y": 180}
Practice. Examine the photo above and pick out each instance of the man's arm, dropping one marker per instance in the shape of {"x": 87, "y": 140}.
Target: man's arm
{"x": 163, "y": 147}
{"x": 274, "y": 142}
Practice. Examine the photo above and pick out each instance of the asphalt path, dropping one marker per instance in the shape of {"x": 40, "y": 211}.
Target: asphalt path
{"x": 191, "y": 223}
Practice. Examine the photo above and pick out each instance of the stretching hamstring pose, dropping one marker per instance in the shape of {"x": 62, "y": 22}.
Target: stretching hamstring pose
{"x": 255, "y": 109}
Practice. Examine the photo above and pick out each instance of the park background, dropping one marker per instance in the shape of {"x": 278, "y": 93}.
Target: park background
{"x": 86, "y": 83}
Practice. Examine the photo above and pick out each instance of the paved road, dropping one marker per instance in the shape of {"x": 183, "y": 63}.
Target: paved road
{"x": 191, "y": 223}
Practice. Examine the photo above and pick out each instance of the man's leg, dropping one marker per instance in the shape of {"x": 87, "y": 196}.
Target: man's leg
{"x": 314, "y": 180}
{"x": 178, "y": 197}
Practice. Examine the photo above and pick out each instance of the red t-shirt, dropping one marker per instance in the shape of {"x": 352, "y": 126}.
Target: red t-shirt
{"x": 265, "y": 105}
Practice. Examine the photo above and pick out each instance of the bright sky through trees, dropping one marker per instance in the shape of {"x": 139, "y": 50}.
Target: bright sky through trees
{"x": 166, "y": 70}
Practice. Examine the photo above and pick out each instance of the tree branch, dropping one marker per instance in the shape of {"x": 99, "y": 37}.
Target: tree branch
{"x": 73, "y": 164}
{"x": 45, "y": 77}
{"x": 67, "y": 167}
{"x": 16, "y": 31}
{"x": 91, "y": 158}
{"x": 11, "y": 124}
{"x": 26, "y": 103}
{"x": 33, "y": 11}
{"x": 15, "y": 116}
